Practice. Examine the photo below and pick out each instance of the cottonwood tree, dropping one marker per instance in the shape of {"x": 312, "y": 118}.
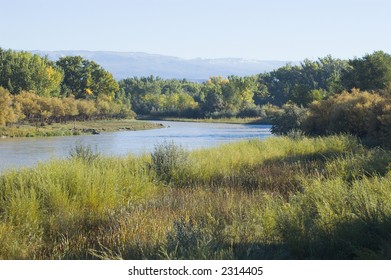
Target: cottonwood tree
{"x": 84, "y": 78}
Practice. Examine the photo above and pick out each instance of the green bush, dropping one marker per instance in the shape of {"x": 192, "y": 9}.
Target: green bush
{"x": 169, "y": 160}
{"x": 291, "y": 117}
{"x": 84, "y": 153}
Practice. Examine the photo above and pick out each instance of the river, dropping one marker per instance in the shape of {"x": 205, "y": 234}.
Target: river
{"x": 18, "y": 152}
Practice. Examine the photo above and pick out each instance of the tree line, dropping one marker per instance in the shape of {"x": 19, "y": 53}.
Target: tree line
{"x": 36, "y": 89}
{"x": 251, "y": 96}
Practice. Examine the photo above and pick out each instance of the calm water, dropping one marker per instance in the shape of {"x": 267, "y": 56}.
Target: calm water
{"x": 28, "y": 151}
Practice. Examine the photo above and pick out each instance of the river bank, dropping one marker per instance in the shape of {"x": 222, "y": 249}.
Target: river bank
{"x": 75, "y": 128}
{"x": 278, "y": 198}
{"x": 27, "y": 151}
{"x": 262, "y": 121}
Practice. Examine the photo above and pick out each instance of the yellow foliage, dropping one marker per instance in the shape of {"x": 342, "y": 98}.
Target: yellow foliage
{"x": 217, "y": 81}
{"x": 360, "y": 113}
{"x": 246, "y": 96}
{"x": 49, "y": 72}
{"x": 88, "y": 91}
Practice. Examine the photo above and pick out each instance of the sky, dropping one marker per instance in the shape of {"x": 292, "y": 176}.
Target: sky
{"x": 250, "y": 29}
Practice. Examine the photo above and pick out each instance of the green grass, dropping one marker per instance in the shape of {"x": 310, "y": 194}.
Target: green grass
{"x": 74, "y": 128}
{"x": 281, "y": 198}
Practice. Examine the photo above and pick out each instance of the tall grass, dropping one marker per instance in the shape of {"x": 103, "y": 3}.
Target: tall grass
{"x": 281, "y": 198}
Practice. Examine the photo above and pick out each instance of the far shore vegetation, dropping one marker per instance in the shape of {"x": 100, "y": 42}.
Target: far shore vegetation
{"x": 322, "y": 97}
{"x": 232, "y": 120}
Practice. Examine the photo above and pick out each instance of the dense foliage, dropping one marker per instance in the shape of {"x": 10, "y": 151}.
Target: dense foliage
{"x": 30, "y": 107}
{"x": 35, "y": 89}
{"x": 282, "y": 198}
{"x": 295, "y": 85}
{"x": 366, "y": 115}
{"x": 317, "y": 97}
{"x": 372, "y": 72}
{"x": 84, "y": 78}
{"x": 23, "y": 71}
{"x": 302, "y": 84}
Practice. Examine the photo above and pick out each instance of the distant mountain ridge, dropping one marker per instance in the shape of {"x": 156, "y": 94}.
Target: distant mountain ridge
{"x": 129, "y": 64}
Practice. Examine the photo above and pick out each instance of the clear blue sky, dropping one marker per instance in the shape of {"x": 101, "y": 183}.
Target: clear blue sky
{"x": 258, "y": 29}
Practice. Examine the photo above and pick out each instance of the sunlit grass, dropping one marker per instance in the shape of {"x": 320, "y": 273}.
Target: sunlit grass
{"x": 281, "y": 198}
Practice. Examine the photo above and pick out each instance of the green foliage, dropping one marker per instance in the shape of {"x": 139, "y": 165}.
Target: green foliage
{"x": 218, "y": 97}
{"x": 84, "y": 78}
{"x": 359, "y": 164}
{"x": 150, "y": 95}
{"x": 253, "y": 111}
{"x": 311, "y": 80}
{"x": 23, "y": 71}
{"x": 232, "y": 96}
{"x": 371, "y": 72}
{"x": 36, "y": 84}
{"x": 291, "y": 117}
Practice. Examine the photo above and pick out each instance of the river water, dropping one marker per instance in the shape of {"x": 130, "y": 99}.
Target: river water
{"x": 18, "y": 152}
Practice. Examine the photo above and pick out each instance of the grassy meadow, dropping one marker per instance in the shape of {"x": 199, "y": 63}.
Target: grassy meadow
{"x": 280, "y": 198}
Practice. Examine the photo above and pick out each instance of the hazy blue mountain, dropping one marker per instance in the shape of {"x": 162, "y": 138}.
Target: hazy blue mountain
{"x": 130, "y": 64}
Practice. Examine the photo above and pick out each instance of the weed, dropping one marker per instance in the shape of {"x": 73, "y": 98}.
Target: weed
{"x": 169, "y": 160}
{"x": 84, "y": 153}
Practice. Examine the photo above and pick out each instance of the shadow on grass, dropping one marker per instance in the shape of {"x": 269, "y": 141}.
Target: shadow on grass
{"x": 356, "y": 240}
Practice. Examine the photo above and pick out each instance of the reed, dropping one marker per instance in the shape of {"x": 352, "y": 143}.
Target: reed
{"x": 280, "y": 198}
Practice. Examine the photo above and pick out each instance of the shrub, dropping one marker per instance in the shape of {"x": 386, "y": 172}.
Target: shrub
{"x": 222, "y": 114}
{"x": 168, "y": 160}
{"x": 252, "y": 111}
{"x": 84, "y": 153}
{"x": 364, "y": 114}
{"x": 291, "y": 117}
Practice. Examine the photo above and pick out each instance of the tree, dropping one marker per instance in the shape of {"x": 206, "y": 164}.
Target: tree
{"x": 84, "y": 78}
{"x": 8, "y": 114}
{"x": 74, "y": 75}
{"x": 290, "y": 118}
{"x": 211, "y": 95}
{"x": 280, "y": 84}
{"x": 29, "y": 105}
{"x": 23, "y": 71}
{"x": 301, "y": 84}
{"x": 86, "y": 108}
{"x": 372, "y": 72}
{"x": 239, "y": 92}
